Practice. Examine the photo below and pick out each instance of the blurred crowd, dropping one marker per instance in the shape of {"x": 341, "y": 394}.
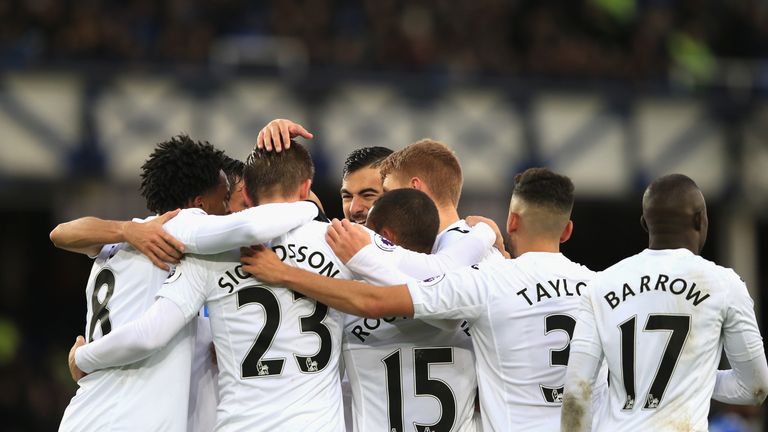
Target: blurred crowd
{"x": 633, "y": 39}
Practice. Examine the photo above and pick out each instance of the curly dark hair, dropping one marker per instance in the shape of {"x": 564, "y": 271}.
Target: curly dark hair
{"x": 541, "y": 186}
{"x": 363, "y": 157}
{"x": 233, "y": 169}
{"x": 177, "y": 171}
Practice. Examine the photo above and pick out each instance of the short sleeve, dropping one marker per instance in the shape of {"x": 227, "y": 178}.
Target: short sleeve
{"x": 462, "y": 294}
{"x": 586, "y": 338}
{"x": 742, "y": 340}
{"x": 187, "y": 286}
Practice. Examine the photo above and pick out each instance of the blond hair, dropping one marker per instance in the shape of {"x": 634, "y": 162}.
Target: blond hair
{"x": 432, "y": 162}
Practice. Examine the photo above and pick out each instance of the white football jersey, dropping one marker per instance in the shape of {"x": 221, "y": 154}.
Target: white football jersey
{"x": 277, "y": 351}
{"x": 522, "y": 314}
{"x": 427, "y": 372}
{"x": 454, "y": 232}
{"x": 151, "y": 394}
{"x": 660, "y": 318}
{"x": 203, "y": 385}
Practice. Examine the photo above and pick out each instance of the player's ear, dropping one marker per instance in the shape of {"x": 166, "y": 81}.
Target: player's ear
{"x": 389, "y": 235}
{"x": 643, "y": 224}
{"x": 248, "y": 201}
{"x": 304, "y": 189}
{"x": 416, "y": 183}
{"x": 513, "y": 221}
{"x": 197, "y": 201}
{"x": 698, "y": 222}
{"x": 567, "y": 232}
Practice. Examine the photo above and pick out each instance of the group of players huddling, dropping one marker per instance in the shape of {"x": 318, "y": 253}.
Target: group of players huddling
{"x": 247, "y": 310}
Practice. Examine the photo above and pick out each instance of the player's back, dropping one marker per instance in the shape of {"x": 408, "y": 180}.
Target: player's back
{"x": 405, "y": 373}
{"x": 151, "y": 394}
{"x": 428, "y": 372}
{"x": 277, "y": 351}
{"x": 660, "y": 316}
{"x": 522, "y": 339}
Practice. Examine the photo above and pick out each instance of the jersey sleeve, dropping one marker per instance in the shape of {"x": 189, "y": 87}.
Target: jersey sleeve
{"x": 463, "y": 294}
{"x": 742, "y": 340}
{"x": 376, "y": 271}
{"x": 187, "y": 286}
{"x": 464, "y": 252}
{"x": 586, "y": 338}
{"x": 209, "y": 234}
{"x": 133, "y": 341}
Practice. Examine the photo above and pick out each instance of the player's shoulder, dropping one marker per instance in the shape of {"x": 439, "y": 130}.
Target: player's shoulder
{"x": 185, "y": 218}
{"x": 716, "y": 271}
{"x": 620, "y": 267}
{"x": 459, "y": 227}
{"x": 581, "y": 271}
{"x": 312, "y": 229}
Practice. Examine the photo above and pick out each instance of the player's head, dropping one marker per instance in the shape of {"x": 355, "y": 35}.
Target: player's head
{"x": 540, "y": 210}
{"x": 675, "y": 213}
{"x": 428, "y": 166}
{"x": 183, "y": 173}
{"x": 278, "y": 177}
{"x": 233, "y": 168}
{"x": 361, "y": 184}
{"x": 407, "y": 217}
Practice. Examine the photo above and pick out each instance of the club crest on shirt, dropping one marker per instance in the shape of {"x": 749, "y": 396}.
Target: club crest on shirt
{"x": 174, "y": 274}
{"x": 383, "y": 243}
{"x": 432, "y": 281}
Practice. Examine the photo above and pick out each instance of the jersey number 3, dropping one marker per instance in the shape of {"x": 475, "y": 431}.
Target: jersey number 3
{"x": 254, "y": 364}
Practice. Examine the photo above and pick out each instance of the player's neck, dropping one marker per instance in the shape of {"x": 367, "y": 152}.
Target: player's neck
{"x": 448, "y": 216}
{"x": 659, "y": 242}
{"x": 278, "y": 199}
{"x": 536, "y": 245}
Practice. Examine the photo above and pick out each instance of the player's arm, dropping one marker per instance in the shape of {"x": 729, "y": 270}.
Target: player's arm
{"x": 747, "y": 382}
{"x": 352, "y": 297}
{"x": 583, "y": 367}
{"x": 209, "y": 234}
{"x": 178, "y": 302}
{"x": 89, "y": 234}
{"x": 499, "y": 243}
{"x": 132, "y": 342}
{"x": 359, "y": 248}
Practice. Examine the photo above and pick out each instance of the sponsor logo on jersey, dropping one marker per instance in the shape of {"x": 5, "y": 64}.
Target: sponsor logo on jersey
{"x": 174, "y": 274}
{"x": 383, "y": 243}
{"x": 432, "y": 281}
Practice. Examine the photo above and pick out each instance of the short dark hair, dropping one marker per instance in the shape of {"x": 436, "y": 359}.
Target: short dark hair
{"x": 410, "y": 214}
{"x": 269, "y": 172}
{"x": 177, "y": 171}
{"x": 364, "y": 157}
{"x": 540, "y": 186}
{"x": 233, "y": 169}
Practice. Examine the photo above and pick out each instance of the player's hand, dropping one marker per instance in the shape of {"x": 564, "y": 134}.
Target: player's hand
{"x": 499, "y": 244}
{"x": 346, "y": 238}
{"x": 277, "y": 134}
{"x": 150, "y": 239}
{"x": 263, "y": 264}
{"x": 74, "y": 371}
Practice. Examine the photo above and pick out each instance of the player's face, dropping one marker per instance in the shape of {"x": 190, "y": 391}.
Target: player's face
{"x": 216, "y": 201}
{"x": 359, "y": 190}
{"x": 237, "y": 197}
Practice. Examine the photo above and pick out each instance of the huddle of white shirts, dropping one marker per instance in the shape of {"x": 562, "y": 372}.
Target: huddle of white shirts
{"x": 279, "y": 353}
